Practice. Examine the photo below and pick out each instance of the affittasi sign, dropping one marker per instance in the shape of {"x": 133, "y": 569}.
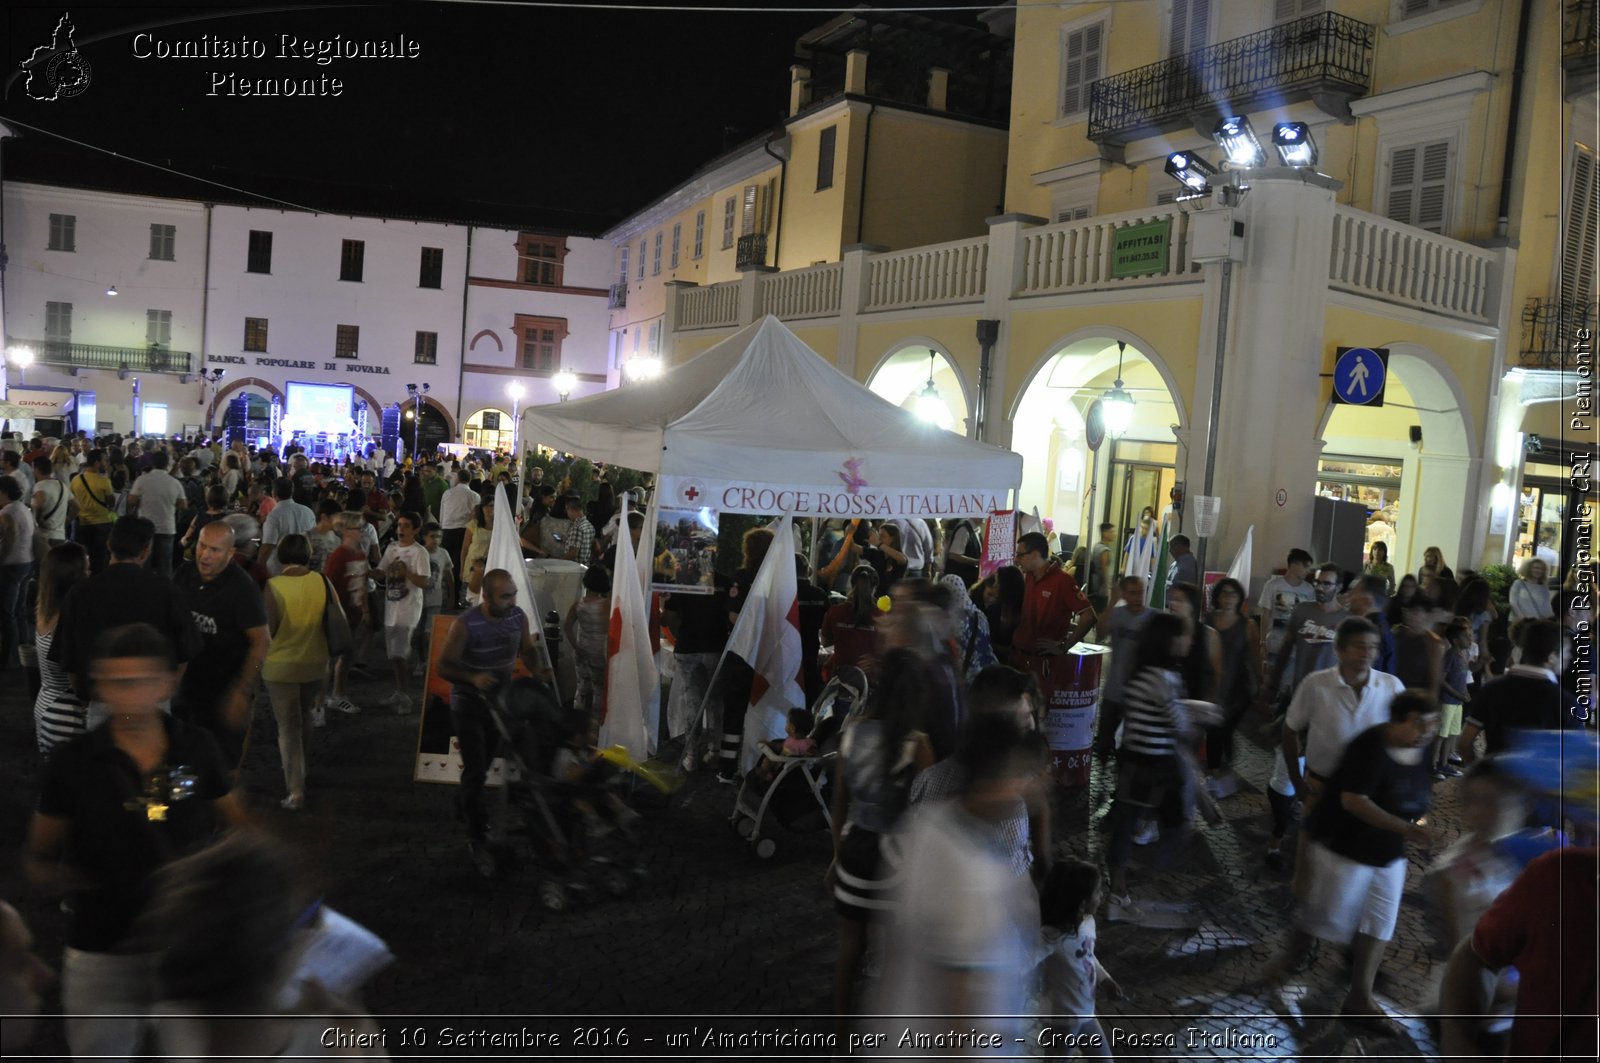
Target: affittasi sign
{"x": 1137, "y": 250}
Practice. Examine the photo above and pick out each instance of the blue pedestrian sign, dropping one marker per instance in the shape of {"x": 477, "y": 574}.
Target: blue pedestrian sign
{"x": 1360, "y": 375}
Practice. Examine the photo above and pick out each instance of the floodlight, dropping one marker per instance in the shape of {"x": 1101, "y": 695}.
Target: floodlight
{"x": 1238, "y": 142}
{"x": 1294, "y": 144}
{"x": 1190, "y": 171}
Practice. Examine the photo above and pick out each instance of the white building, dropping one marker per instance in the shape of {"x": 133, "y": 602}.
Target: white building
{"x": 131, "y": 305}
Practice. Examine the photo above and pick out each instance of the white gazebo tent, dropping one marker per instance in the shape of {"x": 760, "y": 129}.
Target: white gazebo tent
{"x": 761, "y": 423}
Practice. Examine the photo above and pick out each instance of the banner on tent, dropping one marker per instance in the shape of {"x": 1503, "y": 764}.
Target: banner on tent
{"x": 852, "y": 499}
{"x": 686, "y": 551}
{"x": 999, "y": 542}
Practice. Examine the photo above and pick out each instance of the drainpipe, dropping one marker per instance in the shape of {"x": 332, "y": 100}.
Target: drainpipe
{"x": 461, "y": 363}
{"x": 205, "y": 306}
{"x": 861, "y": 207}
{"x": 1223, "y": 297}
{"x": 1502, "y": 225}
{"x": 783, "y": 188}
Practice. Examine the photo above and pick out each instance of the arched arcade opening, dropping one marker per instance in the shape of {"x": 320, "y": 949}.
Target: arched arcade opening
{"x": 921, "y": 377}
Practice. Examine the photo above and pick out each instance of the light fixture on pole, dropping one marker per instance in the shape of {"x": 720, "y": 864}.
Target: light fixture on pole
{"x": 1191, "y": 171}
{"x": 516, "y": 391}
{"x": 209, "y": 379}
{"x": 111, "y": 289}
{"x": 1294, "y": 144}
{"x": 1239, "y": 142}
{"x": 416, "y": 394}
{"x": 565, "y": 381}
{"x": 930, "y": 406}
{"x": 646, "y": 368}
{"x": 1117, "y": 403}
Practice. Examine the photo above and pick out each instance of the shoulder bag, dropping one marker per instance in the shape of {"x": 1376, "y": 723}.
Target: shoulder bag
{"x": 335, "y": 626}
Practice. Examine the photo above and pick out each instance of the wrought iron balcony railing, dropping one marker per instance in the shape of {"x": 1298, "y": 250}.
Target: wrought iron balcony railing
{"x": 1325, "y": 57}
{"x": 1580, "y": 45}
{"x": 619, "y": 297}
{"x": 1550, "y": 332}
{"x": 67, "y": 355}
{"x": 752, "y": 251}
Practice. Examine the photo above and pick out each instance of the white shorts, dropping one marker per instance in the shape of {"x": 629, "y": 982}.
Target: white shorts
{"x": 397, "y": 640}
{"x": 1347, "y": 898}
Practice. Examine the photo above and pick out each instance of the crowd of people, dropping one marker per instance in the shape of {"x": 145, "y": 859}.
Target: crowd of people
{"x": 150, "y": 607}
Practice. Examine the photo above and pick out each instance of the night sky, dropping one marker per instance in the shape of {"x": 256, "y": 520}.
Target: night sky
{"x": 569, "y": 116}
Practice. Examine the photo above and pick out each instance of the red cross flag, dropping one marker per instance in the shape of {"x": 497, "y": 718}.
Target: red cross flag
{"x": 767, "y": 638}
{"x": 630, "y": 713}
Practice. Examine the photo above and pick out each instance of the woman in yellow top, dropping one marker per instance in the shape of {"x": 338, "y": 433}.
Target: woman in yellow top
{"x": 297, "y": 660}
{"x": 475, "y": 550}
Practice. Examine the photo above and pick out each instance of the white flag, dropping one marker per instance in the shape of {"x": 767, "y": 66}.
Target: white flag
{"x": 767, "y": 638}
{"x": 631, "y": 711}
{"x": 505, "y": 552}
{"x": 1239, "y": 568}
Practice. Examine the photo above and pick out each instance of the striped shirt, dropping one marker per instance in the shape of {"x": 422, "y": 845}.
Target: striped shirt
{"x": 1150, "y": 718}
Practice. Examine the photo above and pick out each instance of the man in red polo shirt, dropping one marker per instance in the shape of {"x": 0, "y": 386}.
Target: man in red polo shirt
{"x": 1055, "y": 614}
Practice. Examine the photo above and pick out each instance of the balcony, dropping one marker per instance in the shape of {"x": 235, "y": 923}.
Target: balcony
{"x": 1325, "y": 58}
{"x": 619, "y": 297}
{"x": 73, "y": 356}
{"x": 1550, "y": 332}
{"x": 751, "y": 252}
{"x": 1580, "y": 46}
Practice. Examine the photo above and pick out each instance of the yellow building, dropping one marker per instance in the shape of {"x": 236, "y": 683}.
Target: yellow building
{"x": 1448, "y": 224}
{"x": 896, "y": 137}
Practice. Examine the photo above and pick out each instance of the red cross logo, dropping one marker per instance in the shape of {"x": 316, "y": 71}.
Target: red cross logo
{"x": 691, "y": 494}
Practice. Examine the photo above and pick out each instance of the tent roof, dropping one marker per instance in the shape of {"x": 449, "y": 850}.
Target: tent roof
{"x": 762, "y": 407}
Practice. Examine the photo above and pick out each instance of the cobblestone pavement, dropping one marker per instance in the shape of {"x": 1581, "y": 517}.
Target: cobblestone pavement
{"x": 714, "y": 931}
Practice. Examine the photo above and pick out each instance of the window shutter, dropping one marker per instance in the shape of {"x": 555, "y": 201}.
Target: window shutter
{"x": 1402, "y": 185}
{"x": 1165, "y": 198}
{"x": 1190, "y": 21}
{"x": 1287, "y": 10}
{"x": 1415, "y": 7}
{"x": 747, "y": 221}
{"x": 1434, "y": 187}
{"x": 1072, "y": 214}
{"x": 1082, "y": 66}
{"x": 825, "y": 150}
{"x": 1582, "y": 230}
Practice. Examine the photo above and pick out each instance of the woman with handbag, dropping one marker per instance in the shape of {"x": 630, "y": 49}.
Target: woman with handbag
{"x": 300, "y": 602}
{"x": 58, "y": 713}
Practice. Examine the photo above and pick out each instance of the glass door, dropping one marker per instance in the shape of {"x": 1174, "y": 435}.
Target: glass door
{"x": 1142, "y": 476}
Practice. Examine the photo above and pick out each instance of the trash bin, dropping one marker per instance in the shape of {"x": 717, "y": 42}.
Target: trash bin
{"x": 1071, "y": 692}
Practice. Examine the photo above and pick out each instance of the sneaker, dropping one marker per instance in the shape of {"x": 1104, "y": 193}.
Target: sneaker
{"x": 1438, "y": 776}
{"x": 1455, "y": 759}
{"x": 399, "y": 703}
{"x": 728, "y": 778}
{"x": 319, "y": 715}
{"x": 344, "y": 705}
{"x": 1146, "y": 834}
{"x": 1451, "y": 771}
{"x": 1122, "y": 910}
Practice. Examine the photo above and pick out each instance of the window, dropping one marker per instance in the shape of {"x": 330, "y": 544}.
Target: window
{"x": 1413, "y": 8}
{"x": 641, "y": 259}
{"x": 1579, "y": 235}
{"x": 58, "y": 322}
{"x": 260, "y": 255}
{"x": 158, "y": 328}
{"x": 539, "y": 346}
{"x": 1082, "y": 62}
{"x": 431, "y": 274}
{"x": 756, "y": 216}
{"x": 677, "y": 242}
{"x": 63, "y": 232}
{"x": 655, "y": 260}
{"x": 1190, "y": 27}
{"x": 622, "y": 271}
{"x": 729, "y": 210}
{"x": 1077, "y": 213}
{"x": 427, "y": 351}
{"x": 655, "y": 337}
{"x": 346, "y": 341}
{"x": 1286, "y": 10}
{"x": 700, "y": 234}
{"x": 541, "y": 258}
{"x": 162, "y": 239}
{"x": 255, "y": 334}
{"x": 351, "y": 255}
{"x": 825, "y": 147}
{"x": 1419, "y": 185}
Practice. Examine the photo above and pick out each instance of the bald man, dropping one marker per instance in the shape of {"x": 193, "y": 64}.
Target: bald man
{"x": 232, "y": 618}
{"x": 480, "y": 652}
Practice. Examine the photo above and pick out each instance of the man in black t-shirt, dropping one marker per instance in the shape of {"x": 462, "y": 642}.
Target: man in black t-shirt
{"x": 699, "y": 626}
{"x": 116, "y": 804}
{"x": 1370, "y": 808}
{"x": 1527, "y": 697}
{"x": 124, "y": 593}
{"x": 228, "y": 610}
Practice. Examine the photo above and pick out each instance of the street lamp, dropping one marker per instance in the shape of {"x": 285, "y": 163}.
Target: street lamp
{"x": 21, "y": 357}
{"x": 209, "y": 380}
{"x": 516, "y": 391}
{"x": 416, "y": 394}
{"x": 645, "y": 368}
{"x": 930, "y": 406}
{"x": 1117, "y": 403}
{"x": 565, "y": 382}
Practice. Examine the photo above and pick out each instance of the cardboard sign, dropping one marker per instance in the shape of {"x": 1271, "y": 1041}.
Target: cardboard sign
{"x": 999, "y": 542}
{"x": 438, "y": 756}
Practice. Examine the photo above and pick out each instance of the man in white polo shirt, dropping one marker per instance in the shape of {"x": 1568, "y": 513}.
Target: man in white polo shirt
{"x": 455, "y": 511}
{"x": 1333, "y": 706}
{"x": 917, "y": 543}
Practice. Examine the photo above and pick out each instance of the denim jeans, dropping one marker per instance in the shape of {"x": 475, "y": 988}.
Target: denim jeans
{"x": 12, "y": 612}
{"x": 161, "y": 555}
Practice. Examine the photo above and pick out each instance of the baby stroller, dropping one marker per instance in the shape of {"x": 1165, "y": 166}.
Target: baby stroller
{"x": 801, "y": 786}
{"x": 575, "y": 858}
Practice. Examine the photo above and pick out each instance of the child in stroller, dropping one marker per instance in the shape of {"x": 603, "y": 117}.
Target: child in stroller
{"x": 565, "y": 794}
{"x": 796, "y": 743}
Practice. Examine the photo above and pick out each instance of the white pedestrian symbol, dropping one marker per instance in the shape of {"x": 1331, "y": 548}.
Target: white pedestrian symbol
{"x": 1358, "y": 376}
